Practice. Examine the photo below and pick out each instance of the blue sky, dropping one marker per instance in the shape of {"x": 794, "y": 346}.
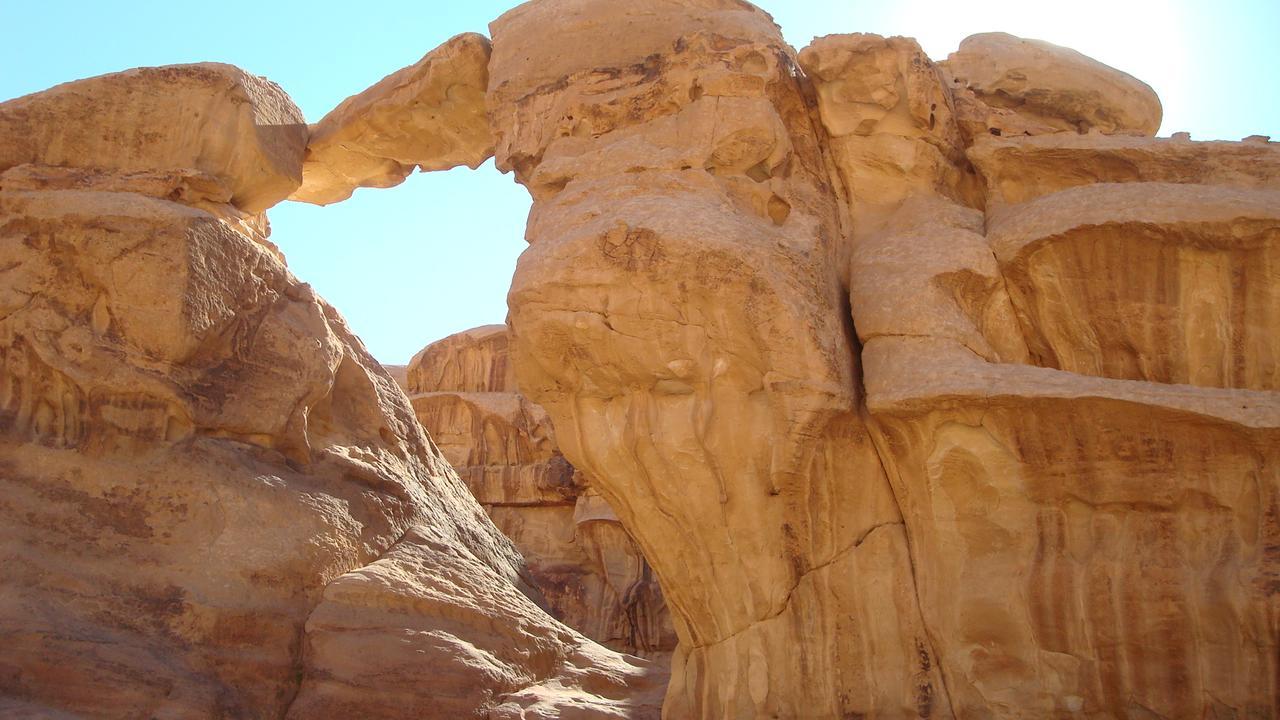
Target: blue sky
{"x": 435, "y": 255}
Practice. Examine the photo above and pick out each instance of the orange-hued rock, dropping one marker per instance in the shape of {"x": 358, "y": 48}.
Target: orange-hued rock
{"x": 429, "y": 116}
{"x": 241, "y": 131}
{"x": 214, "y": 502}
{"x": 927, "y": 390}
{"x": 1093, "y": 538}
{"x": 677, "y": 313}
{"x": 591, "y": 573}
{"x": 1052, "y": 86}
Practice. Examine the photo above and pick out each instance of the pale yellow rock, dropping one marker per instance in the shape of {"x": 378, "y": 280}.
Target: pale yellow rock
{"x": 1062, "y": 524}
{"x": 429, "y": 116}
{"x": 1021, "y": 169}
{"x": 239, "y": 129}
{"x": 1053, "y": 85}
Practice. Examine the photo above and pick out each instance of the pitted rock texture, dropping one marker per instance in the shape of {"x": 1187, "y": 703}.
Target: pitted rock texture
{"x": 429, "y": 116}
{"x": 591, "y": 573}
{"x": 214, "y": 502}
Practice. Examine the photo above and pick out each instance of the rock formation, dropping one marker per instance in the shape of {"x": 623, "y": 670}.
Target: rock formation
{"x": 918, "y": 404}
{"x": 927, "y": 389}
{"x": 592, "y": 574}
{"x": 213, "y": 502}
{"x": 428, "y": 116}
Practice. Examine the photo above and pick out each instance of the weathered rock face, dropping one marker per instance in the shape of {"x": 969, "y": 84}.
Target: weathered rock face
{"x": 678, "y": 315}
{"x": 1039, "y": 481}
{"x": 429, "y": 116}
{"x": 928, "y": 390}
{"x": 236, "y": 132}
{"x": 591, "y": 573}
{"x": 1055, "y": 86}
{"x": 1065, "y": 519}
{"x": 213, "y": 502}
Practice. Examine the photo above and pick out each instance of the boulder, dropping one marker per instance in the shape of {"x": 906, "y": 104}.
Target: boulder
{"x": 241, "y": 131}
{"x": 1053, "y": 86}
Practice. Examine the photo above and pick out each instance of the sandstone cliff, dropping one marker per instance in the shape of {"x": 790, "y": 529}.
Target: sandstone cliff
{"x": 925, "y": 389}
{"x": 213, "y": 501}
{"x": 592, "y": 574}
{"x": 920, "y": 403}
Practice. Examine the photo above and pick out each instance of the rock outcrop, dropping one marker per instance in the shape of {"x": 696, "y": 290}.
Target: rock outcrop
{"x": 213, "y": 501}
{"x": 231, "y": 134}
{"x": 1053, "y": 86}
{"x": 592, "y": 574}
{"x": 429, "y": 116}
{"x": 1031, "y": 473}
{"x": 935, "y": 390}
{"x": 677, "y": 314}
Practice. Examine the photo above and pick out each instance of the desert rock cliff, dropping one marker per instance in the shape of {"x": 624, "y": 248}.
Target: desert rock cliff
{"x": 924, "y": 390}
{"x": 214, "y": 502}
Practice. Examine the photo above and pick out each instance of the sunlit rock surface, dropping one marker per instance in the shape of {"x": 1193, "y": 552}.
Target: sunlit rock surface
{"x": 428, "y": 116}
{"x": 925, "y": 390}
{"x": 214, "y": 502}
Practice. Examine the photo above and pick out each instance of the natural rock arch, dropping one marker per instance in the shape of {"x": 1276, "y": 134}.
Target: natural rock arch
{"x": 843, "y": 337}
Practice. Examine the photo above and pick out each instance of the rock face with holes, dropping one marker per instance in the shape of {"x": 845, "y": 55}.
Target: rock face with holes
{"x": 428, "y": 116}
{"x": 592, "y": 574}
{"x": 213, "y": 501}
{"x": 920, "y": 402}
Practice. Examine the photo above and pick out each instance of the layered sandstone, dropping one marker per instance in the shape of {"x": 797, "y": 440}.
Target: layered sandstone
{"x": 591, "y": 573}
{"x": 913, "y": 519}
{"x": 1092, "y": 537}
{"x": 428, "y": 116}
{"x": 926, "y": 389}
{"x": 677, "y": 315}
{"x": 239, "y": 133}
{"x": 215, "y": 503}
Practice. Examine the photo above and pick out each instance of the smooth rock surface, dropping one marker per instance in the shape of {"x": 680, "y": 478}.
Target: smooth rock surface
{"x": 240, "y": 130}
{"x": 429, "y": 116}
{"x": 1053, "y": 85}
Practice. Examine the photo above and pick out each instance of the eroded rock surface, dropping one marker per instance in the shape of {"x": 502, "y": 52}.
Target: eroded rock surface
{"x": 1087, "y": 534}
{"x": 1050, "y": 86}
{"x": 677, "y": 315}
{"x": 214, "y": 502}
{"x": 1003, "y": 493}
{"x": 591, "y": 573}
{"x": 927, "y": 390}
{"x": 240, "y": 132}
{"x": 429, "y": 116}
